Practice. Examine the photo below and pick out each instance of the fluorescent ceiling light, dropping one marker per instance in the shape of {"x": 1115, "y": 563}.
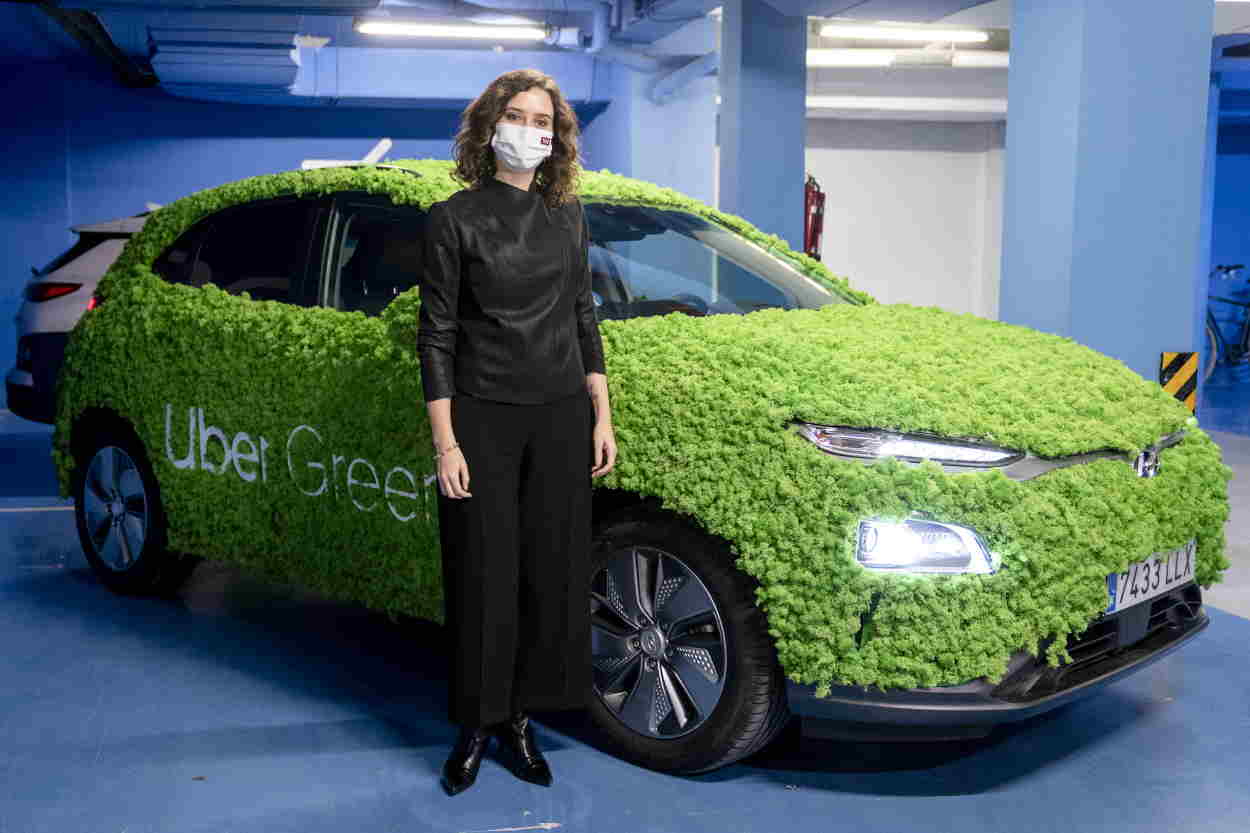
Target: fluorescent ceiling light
{"x": 907, "y": 104}
{"x": 850, "y": 30}
{"x": 444, "y": 30}
{"x": 850, "y": 57}
{"x": 495, "y": 19}
{"x": 978, "y": 58}
{"x": 966, "y": 58}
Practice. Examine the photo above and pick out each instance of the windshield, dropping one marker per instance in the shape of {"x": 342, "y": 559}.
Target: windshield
{"x": 650, "y": 261}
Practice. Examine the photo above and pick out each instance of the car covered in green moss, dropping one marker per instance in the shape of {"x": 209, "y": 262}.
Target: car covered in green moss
{"x": 822, "y": 506}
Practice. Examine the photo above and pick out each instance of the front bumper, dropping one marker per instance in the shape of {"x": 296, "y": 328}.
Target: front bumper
{"x": 1111, "y": 648}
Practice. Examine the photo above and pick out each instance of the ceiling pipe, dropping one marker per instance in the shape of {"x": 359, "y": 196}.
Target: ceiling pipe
{"x": 458, "y": 9}
{"x": 452, "y": 7}
{"x": 86, "y": 28}
{"x": 599, "y": 46}
{"x": 267, "y": 7}
{"x": 599, "y": 28}
{"x": 1230, "y": 53}
{"x": 668, "y": 86}
{"x": 464, "y": 8}
{"x": 628, "y": 57}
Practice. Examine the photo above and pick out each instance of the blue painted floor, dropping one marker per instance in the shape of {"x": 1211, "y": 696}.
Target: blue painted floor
{"x": 249, "y": 706}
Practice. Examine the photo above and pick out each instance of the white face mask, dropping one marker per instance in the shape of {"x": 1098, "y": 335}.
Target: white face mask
{"x": 520, "y": 148}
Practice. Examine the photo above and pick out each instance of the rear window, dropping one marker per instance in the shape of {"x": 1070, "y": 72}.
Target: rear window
{"x": 86, "y": 242}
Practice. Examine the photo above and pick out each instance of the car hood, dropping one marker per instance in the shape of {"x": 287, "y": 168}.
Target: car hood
{"x": 700, "y": 406}
{"x": 904, "y": 368}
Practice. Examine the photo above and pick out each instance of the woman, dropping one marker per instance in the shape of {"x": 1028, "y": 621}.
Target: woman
{"x": 513, "y": 377}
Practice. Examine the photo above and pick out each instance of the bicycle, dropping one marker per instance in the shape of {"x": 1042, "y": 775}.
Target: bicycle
{"x": 1218, "y": 349}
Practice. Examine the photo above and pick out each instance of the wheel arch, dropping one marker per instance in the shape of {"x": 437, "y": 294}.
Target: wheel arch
{"x": 762, "y": 700}
{"x": 607, "y": 502}
{"x": 85, "y": 426}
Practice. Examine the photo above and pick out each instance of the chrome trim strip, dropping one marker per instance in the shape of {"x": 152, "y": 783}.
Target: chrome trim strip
{"x": 1010, "y": 455}
{"x": 1033, "y": 466}
{"x": 1030, "y": 465}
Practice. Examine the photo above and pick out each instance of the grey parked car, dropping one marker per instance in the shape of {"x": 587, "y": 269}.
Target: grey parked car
{"x": 53, "y": 301}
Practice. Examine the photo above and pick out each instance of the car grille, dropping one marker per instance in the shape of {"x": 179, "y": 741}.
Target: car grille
{"x": 1109, "y": 642}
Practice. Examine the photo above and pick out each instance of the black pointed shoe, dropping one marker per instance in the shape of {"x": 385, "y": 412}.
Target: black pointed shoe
{"x": 519, "y": 753}
{"x": 460, "y": 770}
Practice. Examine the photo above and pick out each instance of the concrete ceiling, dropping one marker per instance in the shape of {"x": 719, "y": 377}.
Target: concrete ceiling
{"x": 32, "y": 36}
{"x": 1229, "y": 17}
{"x": 235, "y": 50}
{"x": 972, "y": 94}
{"x": 919, "y": 11}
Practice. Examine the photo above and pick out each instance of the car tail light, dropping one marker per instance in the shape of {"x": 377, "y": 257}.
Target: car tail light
{"x": 93, "y": 302}
{"x": 49, "y": 290}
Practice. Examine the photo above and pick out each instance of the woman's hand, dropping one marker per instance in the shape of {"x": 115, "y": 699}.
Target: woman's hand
{"x": 453, "y": 474}
{"x": 603, "y": 443}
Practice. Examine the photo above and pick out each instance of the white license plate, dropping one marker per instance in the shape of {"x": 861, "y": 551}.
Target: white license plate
{"x": 1156, "y": 575}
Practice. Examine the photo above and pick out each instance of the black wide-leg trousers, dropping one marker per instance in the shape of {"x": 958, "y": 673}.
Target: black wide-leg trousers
{"x": 515, "y": 558}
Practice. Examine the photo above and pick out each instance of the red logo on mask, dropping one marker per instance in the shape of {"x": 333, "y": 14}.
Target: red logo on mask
{"x": 545, "y": 141}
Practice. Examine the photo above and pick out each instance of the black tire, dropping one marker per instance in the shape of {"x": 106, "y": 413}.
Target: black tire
{"x": 750, "y": 707}
{"x": 148, "y": 569}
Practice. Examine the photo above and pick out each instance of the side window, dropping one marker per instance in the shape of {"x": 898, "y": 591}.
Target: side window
{"x": 375, "y": 253}
{"x": 259, "y": 248}
{"x": 176, "y": 264}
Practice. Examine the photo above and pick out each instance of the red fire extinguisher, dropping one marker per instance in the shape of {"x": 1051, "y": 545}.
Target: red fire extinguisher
{"x": 813, "y": 217}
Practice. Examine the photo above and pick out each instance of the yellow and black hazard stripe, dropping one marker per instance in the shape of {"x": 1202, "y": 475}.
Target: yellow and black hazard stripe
{"x": 1178, "y": 373}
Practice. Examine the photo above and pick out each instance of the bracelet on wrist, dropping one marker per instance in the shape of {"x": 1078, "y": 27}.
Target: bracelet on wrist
{"x": 438, "y": 453}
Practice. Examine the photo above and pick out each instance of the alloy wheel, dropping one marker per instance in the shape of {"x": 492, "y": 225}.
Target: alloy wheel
{"x": 115, "y": 506}
{"x": 657, "y": 643}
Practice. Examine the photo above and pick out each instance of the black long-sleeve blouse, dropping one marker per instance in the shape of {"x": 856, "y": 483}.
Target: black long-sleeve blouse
{"x": 506, "y": 311}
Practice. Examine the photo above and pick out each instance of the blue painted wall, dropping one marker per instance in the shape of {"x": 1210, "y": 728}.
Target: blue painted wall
{"x": 1210, "y": 158}
{"x": 82, "y": 149}
{"x": 607, "y": 142}
{"x": 671, "y": 144}
{"x": 674, "y": 143}
{"x": 1230, "y": 237}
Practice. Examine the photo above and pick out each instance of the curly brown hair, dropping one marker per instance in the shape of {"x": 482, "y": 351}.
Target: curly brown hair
{"x": 557, "y": 176}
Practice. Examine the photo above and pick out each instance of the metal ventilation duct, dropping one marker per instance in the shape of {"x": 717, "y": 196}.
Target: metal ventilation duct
{"x": 254, "y": 59}
{"x": 246, "y": 51}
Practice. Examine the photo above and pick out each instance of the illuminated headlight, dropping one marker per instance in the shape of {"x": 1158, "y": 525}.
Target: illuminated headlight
{"x": 922, "y": 546}
{"x": 873, "y": 444}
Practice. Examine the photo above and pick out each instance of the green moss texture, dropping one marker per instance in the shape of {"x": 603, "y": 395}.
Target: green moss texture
{"x": 337, "y": 500}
